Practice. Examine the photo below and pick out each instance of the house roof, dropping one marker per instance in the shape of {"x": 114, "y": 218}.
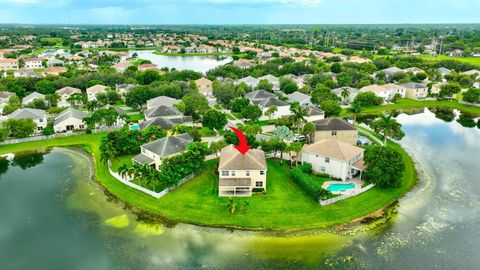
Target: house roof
{"x": 6, "y": 94}
{"x": 232, "y": 159}
{"x": 270, "y": 78}
{"x": 298, "y": 97}
{"x": 333, "y": 149}
{"x": 68, "y": 90}
{"x": 268, "y": 102}
{"x": 202, "y": 81}
{"x": 249, "y": 80}
{"x": 33, "y": 96}
{"x": 415, "y": 85}
{"x": 165, "y": 123}
{"x": 143, "y": 159}
{"x": 392, "y": 70}
{"x": 162, "y": 111}
{"x": 27, "y": 113}
{"x": 96, "y": 89}
{"x": 338, "y": 91}
{"x": 169, "y": 145}
{"x": 259, "y": 94}
{"x": 333, "y": 124}
{"x": 161, "y": 101}
{"x": 69, "y": 113}
{"x": 311, "y": 110}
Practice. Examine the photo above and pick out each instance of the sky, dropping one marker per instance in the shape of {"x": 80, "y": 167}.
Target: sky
{"x": 239, "y": 11}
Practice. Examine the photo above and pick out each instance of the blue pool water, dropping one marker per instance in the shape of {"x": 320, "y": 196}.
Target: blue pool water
{"x": 134, "y": 127}
{"x": 340, "y": 187}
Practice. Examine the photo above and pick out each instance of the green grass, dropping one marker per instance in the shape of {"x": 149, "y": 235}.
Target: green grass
{"x": 284, "y": 207}
{"x": 406, "y": 103}
{"x": 206, "y": 132}
{"x": 471, "y": 60}
{"x": 119, "y": 161}
{"x": 230, "y": 117}
{"x": 135, "y": 117}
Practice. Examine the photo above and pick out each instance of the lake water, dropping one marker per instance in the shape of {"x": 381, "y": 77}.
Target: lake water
{"x": 196, "y": 63}
{"x": 55, "y": 217}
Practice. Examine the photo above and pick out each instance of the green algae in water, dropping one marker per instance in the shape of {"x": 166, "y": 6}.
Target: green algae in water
{"x": 117, "y": 222}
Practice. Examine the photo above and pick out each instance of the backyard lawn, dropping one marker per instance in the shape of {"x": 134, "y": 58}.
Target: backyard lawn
{"x": 284, "y": 207}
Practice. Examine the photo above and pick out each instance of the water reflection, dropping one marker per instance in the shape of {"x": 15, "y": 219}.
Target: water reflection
{"x": 29, "y": 159}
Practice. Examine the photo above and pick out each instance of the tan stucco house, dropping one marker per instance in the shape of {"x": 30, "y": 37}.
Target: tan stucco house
{"x": 335, "y": 128}
{"x": 205, "y": 86}
{"x": 240, "y": 174}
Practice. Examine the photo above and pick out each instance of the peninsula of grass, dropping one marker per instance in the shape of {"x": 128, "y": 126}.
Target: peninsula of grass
{"x": 406, "y": 103}
{"x": 283, "y": 207}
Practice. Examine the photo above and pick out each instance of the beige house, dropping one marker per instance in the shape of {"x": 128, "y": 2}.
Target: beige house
{"x": 335, "y": 158}
{"x": 335, "y": 128}
{"x": 205, "y": 86}
{"x": 8, "y": 63}
{"x": 65, "y": 93}
{"x": 240, "y": 174}
{"x": 417, "y": 91}
{"x": 94, "y": 90}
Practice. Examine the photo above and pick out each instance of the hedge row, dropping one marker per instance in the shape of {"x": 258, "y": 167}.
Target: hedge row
{"x": 312, "y": 187}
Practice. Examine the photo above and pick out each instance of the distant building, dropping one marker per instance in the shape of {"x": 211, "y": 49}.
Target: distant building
{"x": 38, "y": 116}
{"x": 335, "y": 128}
{"x": 94, "y": 90}
{"x": 69, "y": 120}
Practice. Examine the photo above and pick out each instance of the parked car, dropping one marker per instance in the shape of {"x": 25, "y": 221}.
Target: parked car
{"x": 298, "y": 138}
{"x": 363, "y": 141}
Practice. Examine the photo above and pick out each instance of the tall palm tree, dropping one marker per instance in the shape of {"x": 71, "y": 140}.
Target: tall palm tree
{"x": 271, "y": 111}
{"x": 386, "y": 125}
{"x": 298, "y": 115}
{"x": 355, "y": 109}
{"x": 123, "y": 171}
{"x": 345, "y": 94}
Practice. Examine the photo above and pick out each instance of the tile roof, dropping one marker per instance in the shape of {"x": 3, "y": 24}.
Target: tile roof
{"x": 169, "y": 145}
{"x": 333, "y": 149}
{"x": 232, "y": 159}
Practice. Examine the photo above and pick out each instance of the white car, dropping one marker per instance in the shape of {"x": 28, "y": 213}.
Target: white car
{"x": 298, "y": 138}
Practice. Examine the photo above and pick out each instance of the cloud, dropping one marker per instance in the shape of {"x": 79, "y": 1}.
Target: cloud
{"x": 303, "y": 3}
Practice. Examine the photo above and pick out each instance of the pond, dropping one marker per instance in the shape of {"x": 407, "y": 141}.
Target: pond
{"x": 196, "y": 63}
{"x": 54, "y": 216}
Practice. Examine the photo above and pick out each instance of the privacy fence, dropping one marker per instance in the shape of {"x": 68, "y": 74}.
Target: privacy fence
{"x": 346, "y": 196}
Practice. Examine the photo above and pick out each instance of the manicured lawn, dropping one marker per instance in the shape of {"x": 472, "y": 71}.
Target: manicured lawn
{"x": 471, "y": 60}
{"x": 135, "y": 117}
{"x": 116, "y": 163}
{"x": 406, "y": 103}
{"x": 206, "y": 132}
{"x": 284, "y": 207}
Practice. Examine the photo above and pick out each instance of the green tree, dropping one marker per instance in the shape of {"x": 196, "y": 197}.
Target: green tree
{"x": 366, "y": 99}
{"x": 265, "y": 85}
{"x": 298, "y": 115}
{"x": 195, "y": 104}
{"x": 214, "y": 119}
{"x": 384, "y": 167}
{"x": 331, "y": 108}
{"x": 224, "y": 93}
{"x": 45, "y": 87}
{"x": 252, "y": 112}
{"x": 288, "y": 86}
{"x": 389, "y": 127}
{"x": 215, "y": 147}
{"x": 449, "y": 89}
{"x": 20, "y": 128}
{"x": 271, "y": 111}
{"x": 238, "y": 104}
{"x": 14, "y": 103}
{"x": 472, "y": 95}
{"x": 153, "y": 133}
{"x": 308, "y": 131}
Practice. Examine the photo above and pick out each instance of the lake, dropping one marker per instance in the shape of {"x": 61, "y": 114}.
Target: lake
{"x": 196, "y": 63}
{"x": 54, "y": 216}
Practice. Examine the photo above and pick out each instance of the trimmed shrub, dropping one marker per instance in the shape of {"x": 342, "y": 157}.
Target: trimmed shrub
{"x": 311, "y": 186}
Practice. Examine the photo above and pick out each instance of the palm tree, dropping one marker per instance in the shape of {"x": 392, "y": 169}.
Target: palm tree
{"x": 271, "y": 111}
{"x": 297, "y": 148}
{"x": 345, "y": 94}
{"x": 92, "y": 105}
{"x": 123, "y": 171}
{"x": 355, "y": 109}
{"x": 231, "y": 205}
{"x": 386, "y": 125}
{"x": 298, "y": 115}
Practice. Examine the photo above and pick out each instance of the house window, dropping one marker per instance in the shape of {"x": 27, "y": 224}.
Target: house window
{"x": 81, "y": 126}
{"x": 224, "y": 173}
{"x": 40, "y": 120}
{"x": 262, "y": 172}
{"x": 247, "y": 173}
{"x": 233, "y": 173}
{"x": 322, "y": 169}
{"x": 259, "y": 184}
{"x": 334, "y": 132}
{"x": 327, "y": 160}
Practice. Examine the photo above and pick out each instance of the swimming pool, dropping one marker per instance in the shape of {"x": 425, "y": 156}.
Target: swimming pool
{"x": 135, "y": 127}
{"x": 337, "y": 188}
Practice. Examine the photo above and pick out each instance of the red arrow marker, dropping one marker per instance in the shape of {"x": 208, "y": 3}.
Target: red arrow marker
{"x": 243, "y": 147}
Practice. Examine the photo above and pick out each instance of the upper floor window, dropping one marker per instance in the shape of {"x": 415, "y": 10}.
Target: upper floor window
{"x": 233, "y": 173}
{"x": 225, "y": 173}
{"x": 247, "y": 173}
{"x": 262, "y": 172}
{"x": 327, "y": 160}
{"x": 334, "y": 132}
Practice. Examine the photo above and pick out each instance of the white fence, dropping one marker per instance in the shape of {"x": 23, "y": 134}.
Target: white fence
{"x": 471, "y": 104}
{"x": 157, "y": 195}
{"x": 346, "y": 196}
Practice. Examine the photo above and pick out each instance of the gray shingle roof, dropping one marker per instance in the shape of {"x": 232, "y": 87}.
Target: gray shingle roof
{"x": 169, "y": 145}
{"x": 162, "y": 111}
{"x": 333, "y": 124}
{"x": 259, "y": 94}
{"x": 143, "y": 159}
{"x": 165, "y": 123}
{"x": 415, "y": 85}
{"x": 311, "y": 110}
{"x": 27, "y": 113}
{"x": 268, "y": 102}
{"x": 298, "y": 97}
{"x": 161, "y": 101}
{"x": 69, "y": 113}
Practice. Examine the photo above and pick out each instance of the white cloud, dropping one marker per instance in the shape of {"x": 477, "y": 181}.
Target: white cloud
{"x": 310, "y": 3}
